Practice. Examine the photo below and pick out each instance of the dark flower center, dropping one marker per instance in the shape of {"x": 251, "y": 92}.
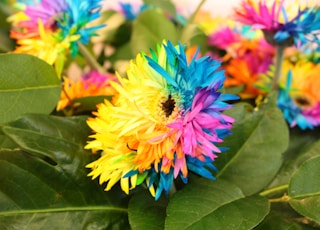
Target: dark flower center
{"x": 168, "y": 106}
{"x": 302, "y": 101}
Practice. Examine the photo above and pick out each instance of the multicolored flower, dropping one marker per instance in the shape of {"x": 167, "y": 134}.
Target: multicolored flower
{"x": 57, "y": 26}
{"x": 246, "y": 56}
{"x": 299, "y": 96}
{"x": 91, "y": 84}
{"x": 165, "y": 123}
{"x": 281, "y": 25}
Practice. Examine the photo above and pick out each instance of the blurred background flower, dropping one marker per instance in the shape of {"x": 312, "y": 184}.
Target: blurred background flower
{"x": 91, "y": 84}
{"x": 52, "y": 30}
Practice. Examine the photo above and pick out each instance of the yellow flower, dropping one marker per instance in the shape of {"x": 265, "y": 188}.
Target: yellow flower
{"x": 92, "y": 84}
{"x": 46, "y": 47}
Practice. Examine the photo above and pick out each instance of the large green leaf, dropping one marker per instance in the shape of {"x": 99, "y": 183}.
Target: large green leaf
{"x": 304, "y": 189}
{"x": 6, "y": 142}
{"x": 145, "y": 212}
{"x": 244, "y": 214}
{"x": 258, "y": 139}
{"x": 205, "y": 204}
{"x": 149, "y": 29}
{"x": 27, "y": 85}
{"x": 304, "y": 144}
{"x": 45, "y": 185}
{"x": 47, "y": 136}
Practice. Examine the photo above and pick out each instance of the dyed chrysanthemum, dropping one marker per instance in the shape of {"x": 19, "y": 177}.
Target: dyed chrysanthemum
{"x": 59, "y": 22}
{"x": 165, "y": 122}
{"x": 247, "y": 55}
{"x": 299, "y": 97}
{"x": 278, "y": 25}
{"x": 91, "y": 84}
{"x": 46, "y": 47}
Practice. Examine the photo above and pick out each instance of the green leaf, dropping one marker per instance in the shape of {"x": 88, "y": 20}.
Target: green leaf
{"x": 283, "y": 217}
{"x": 304, "y": 144}
{"x": 256, "y": 145}
{"x": 121, "y": 53}
{"x": 120, "y": 35}
{"x": 278, "y": 222}
{"x": 88, "y": 104}
{"x": 244, "y": 213}
{"x": 54, "y": 190}
{"x": 234, "y": 89}
{"x": 27, "y": 85}
{"x": 192, "y": 35}
{"x": 304, "y": 189}
{"x": 6, "y": 142}
{"x": 145, "y": 212}
{"x": 6, "y": 44}
{"x": 37, "y": 195}
{"x": 151, "y": 28}
{"x": 205, "y": 204}
{"x": 54, "y": 133}
{"x": 197, "y": 200}
{"x": 306, "y": 181}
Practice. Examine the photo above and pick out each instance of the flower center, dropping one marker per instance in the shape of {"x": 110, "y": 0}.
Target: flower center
{"x": 168, "y": 106}
{"x": 302, "y": 101}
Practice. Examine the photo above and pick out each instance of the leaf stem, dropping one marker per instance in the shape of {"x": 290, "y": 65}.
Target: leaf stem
{"x": 285, "y": 198}
{"x": 65, "y": 209}
{"x": 278, "y": 67}
{"x": 90, "y": 58}
{"x": 273, "y": 190}
{"x": 192, "y": 17}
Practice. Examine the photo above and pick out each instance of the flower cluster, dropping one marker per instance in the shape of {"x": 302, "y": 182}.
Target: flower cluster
{"x": 257, "y": 47}
{"x": 281, "y": 26}
{"x": 165, "y": 122}
{"x": 91, "y": 84}
{"x": 51, "y": 30}
{"x": 247, "y": 56}
{"x": 299, "y": 97}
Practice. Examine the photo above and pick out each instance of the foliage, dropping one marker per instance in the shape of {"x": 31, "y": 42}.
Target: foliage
{"x": 269, "y": 178}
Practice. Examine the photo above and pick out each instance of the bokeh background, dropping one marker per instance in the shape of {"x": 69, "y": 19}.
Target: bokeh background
{"x": 216, "y": 7}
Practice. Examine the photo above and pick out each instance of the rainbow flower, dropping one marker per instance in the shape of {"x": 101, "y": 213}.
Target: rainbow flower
{"x": 91, "y": 84}
{"x": 299, "y": 97}
{"x": 247, "y": 55}
{"x": 165, "y": 122}
{"x": 279, "y": 24}
{"x": 58, "y": 24}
